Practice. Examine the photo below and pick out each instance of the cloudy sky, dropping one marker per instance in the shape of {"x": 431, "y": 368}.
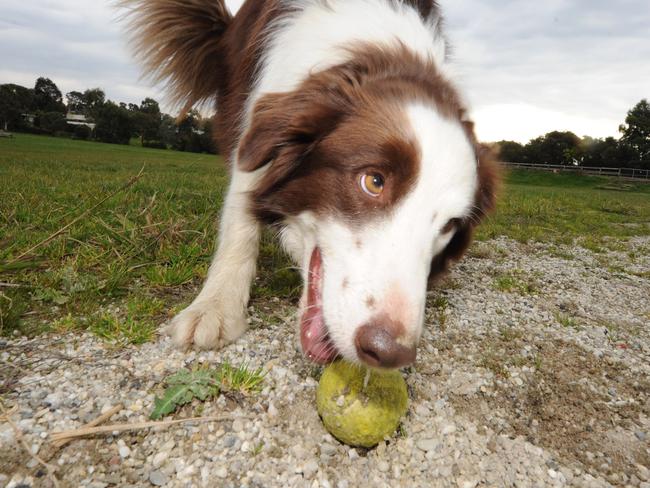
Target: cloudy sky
{"x": 527, "y": 67}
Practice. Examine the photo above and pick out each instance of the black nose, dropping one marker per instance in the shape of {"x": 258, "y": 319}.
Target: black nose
{"x": 377, "y": 346}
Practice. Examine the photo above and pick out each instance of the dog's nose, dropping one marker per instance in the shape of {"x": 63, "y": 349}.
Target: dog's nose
{"x": 377, "y": 346}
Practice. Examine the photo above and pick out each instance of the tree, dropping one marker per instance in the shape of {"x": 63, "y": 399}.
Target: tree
{"x": 554, "y": 148}
{"x": 76, "y": 103}
{"x": 15, "y": 100}
{"x": 9, "y": 108}
{"x": 114, "y": 124}
{"x": 52, "y": 122}
{"x": 511, "y": 152}
{"x": 186, "y": 129}
{"x": 636, "y": 132}
{"x": 146, "y": 120}
{"x": 206, "y": 139}
{"x": 94, "y": 98}
{"x": 47, "y": 96}
{"x": 168, "y": 131}
{"x": 194, "y": 134}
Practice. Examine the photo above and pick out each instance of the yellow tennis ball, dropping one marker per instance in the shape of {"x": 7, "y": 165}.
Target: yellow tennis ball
{"x": 358, "y": 414}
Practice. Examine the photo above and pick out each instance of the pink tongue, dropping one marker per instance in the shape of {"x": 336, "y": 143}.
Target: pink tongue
{"x": 313, "y": 333}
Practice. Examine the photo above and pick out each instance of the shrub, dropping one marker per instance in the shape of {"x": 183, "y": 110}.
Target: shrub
{"x": 82, "y": 132}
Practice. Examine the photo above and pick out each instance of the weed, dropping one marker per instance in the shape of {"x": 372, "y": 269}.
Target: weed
{"x": 66, "y": 324}
{"x": 240, "y": 379}
{"x": 123, "y": 331}
{"x": 566, "y": 320}
{"x": 510, "y": 334}
{"x": 558, "y": 252}
{"x": 494, "y": 362}
{"x": 144, "y": 306}
{"x": 183, "y": 387}
{"x": 592, "y": 244}
{"x": 515, "y": 282}
{"x": 257, "y": 449}
{"x": 203, "y": 383}
{"x": 173, "y": 274}
{"x": 440, "y": 302}
{"x": 266, "y": 318}
{"x": 13, "y": 303}
{"x": 520, "y": 361}
{"x": 480, "y": 251}
{"x": 439, "y": 305}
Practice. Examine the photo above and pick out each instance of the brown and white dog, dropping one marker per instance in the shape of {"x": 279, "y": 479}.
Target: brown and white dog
{"x": 342, "y": 125}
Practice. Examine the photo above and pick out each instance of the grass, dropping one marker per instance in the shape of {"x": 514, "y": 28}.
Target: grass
{"x": 438, "y": 307}
{"x": 151, "y": 241}
{"x": 240, "y": 379}
{"x": 515, "y": 281}
{"x": 563, "y": 208}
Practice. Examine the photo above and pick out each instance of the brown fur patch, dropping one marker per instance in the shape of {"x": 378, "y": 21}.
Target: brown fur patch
{"x": 203, "y": 53}
{"x": 179, "y": 43}
{"x": 244, "y": 44}
{"x": 338, "y": 124}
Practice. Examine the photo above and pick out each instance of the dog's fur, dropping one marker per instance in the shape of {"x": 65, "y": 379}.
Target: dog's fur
{"x": 312, "y": 96}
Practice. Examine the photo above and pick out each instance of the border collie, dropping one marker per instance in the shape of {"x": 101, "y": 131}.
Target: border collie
{"x": 342, "y": 125}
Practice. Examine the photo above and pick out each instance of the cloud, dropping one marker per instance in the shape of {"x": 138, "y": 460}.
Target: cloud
{"x": 526, "y": 67}
{"x": 582, "y": 60}
{"x": 522, "y": 122}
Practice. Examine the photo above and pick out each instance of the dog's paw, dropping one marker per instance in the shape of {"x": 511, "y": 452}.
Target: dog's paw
{"x": 205, "y": 325}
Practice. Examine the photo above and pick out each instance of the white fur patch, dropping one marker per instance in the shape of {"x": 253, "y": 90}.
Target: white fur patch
{"x": 315, "y": 37}
{"x": 389, "y": 259}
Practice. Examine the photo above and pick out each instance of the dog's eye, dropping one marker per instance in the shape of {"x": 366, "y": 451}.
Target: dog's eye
{"x": 372, "y": 184}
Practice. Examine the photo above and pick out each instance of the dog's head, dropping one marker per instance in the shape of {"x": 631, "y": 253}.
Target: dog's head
{"x": 379, "y": 181}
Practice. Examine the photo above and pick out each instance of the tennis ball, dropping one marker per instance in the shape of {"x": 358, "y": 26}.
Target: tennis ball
{"x": 358, "y": 415}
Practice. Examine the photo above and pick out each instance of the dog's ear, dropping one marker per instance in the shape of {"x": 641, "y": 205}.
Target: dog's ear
{"x": 489, "y": 182}
{"x": 285, "y": 128}
{"x": 453, "y": 252}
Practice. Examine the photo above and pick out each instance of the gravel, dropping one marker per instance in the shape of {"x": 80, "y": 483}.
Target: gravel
{"x": 545, "y": 384}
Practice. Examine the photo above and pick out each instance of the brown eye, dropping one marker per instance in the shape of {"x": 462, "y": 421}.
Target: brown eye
{"x": 372, "y": 184}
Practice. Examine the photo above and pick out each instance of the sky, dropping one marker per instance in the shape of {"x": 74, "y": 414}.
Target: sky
{"x": 526, "y": 67}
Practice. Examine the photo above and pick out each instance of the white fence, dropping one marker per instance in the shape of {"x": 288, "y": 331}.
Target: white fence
{"x": 637, "y": 174}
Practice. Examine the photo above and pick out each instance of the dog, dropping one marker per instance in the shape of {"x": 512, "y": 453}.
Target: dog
{"x": 342, "y": 125}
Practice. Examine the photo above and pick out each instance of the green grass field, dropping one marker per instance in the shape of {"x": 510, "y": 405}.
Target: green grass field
{"x": 137, "y": 247}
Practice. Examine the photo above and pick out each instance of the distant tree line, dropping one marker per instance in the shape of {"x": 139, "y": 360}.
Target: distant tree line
{"x": 632, "y": 150}
{"x": 42, "y": 110}
{"x": 89, "y": 115}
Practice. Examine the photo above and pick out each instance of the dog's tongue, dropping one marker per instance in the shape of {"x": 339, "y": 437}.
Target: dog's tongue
{"x": 313, "y": 334}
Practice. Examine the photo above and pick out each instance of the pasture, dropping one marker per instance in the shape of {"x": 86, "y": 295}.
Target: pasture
{"x": 532, "y": 366}
{"x": 114, "y": 239}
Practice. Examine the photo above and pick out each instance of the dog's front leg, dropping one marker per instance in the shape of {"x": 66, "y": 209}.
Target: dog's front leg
{"x": 218, "y": 314}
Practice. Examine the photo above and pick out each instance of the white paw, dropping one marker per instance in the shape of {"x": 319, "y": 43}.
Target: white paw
{"x": 205, "y": 325}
